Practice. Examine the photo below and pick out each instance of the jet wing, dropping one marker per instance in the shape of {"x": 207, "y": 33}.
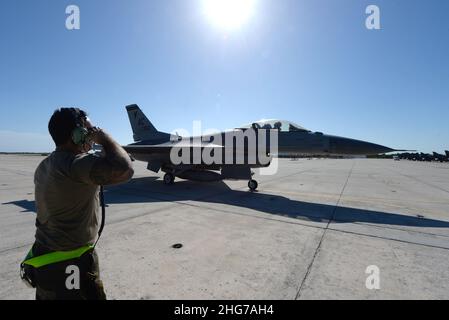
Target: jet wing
{"x": 166, "y": 147}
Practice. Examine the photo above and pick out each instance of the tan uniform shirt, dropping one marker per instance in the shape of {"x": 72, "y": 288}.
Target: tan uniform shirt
{"x": 67, "y": 201}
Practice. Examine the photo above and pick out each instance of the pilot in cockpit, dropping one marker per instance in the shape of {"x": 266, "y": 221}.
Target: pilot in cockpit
{"x": 277, "y": 125}
{"x": 267, "y": 126}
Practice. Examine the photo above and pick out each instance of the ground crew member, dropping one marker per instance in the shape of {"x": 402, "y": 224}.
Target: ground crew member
{"x": 67, "y": 202}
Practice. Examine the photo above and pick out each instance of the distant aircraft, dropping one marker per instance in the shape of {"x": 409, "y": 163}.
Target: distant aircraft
{"x": 155, "y": 148}
{"x": 440, "y": 157}
{"x": 423, "y": 156}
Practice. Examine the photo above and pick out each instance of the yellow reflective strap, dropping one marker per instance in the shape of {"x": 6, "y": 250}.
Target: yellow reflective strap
{"x": 57, "y": 256}
{"x": 29, "y": 254}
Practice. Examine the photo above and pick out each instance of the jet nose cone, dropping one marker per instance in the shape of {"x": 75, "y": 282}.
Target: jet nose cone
{"x": 340, "y": 145}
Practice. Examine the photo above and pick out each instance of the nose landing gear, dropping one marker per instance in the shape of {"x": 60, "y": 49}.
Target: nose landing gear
{"x": 252, "y": 185}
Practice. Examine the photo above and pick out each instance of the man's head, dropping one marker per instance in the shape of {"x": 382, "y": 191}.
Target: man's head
{"x": 66, "y": 127}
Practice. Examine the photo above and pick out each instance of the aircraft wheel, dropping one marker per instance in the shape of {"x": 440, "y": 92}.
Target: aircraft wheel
{"x": 252, "y": 185}
{"x": 169, "y": 178}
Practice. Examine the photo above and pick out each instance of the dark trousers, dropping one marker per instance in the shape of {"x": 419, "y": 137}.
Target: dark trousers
{"x": 59, "y": 281}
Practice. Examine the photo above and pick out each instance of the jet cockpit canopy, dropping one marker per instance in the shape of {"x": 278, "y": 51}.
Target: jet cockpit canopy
{"x": 282, "y": 125}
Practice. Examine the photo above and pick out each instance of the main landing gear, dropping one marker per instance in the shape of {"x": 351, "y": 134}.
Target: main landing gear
{"x": 169, "y": 178}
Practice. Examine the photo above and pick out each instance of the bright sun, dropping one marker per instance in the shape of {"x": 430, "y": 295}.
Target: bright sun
{"x": 228, "y": 14}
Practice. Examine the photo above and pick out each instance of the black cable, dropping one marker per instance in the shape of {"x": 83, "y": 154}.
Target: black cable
{"x": 103, "y": 214}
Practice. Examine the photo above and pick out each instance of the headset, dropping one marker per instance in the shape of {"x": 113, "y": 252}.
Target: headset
{"x": 80, "y": 133}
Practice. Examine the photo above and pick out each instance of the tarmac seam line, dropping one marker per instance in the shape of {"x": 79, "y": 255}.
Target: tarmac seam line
{"x": 317, "y": 250}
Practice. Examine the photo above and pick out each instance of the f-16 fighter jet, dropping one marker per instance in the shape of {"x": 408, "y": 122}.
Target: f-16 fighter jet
{"x": 232, "y": 154}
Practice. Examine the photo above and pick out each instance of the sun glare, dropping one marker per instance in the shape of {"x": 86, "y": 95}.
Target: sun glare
{"x": 228, "y": 14}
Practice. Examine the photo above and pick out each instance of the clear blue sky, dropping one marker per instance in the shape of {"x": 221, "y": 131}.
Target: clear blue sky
{"x": 309, "y": 61}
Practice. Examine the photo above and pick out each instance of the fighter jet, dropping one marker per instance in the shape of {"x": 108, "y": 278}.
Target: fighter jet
{"x": 159, "y": 149}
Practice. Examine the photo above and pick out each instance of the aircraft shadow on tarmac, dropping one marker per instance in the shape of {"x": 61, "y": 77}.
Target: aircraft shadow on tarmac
{"x": 27, "y": 205}
{"x": 149, "y": 190}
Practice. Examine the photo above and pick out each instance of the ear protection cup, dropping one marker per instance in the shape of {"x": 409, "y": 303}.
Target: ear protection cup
{"x": 79, "y": 135}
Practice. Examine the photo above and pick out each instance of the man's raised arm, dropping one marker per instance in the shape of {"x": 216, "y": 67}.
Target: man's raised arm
{"x": 115, "y": 167}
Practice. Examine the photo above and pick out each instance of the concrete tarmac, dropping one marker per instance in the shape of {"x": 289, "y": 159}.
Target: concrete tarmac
{"x": 310, "y": 232}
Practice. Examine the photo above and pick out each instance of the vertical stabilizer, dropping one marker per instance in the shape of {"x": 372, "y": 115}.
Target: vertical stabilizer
{"x": 142, "y": 127}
